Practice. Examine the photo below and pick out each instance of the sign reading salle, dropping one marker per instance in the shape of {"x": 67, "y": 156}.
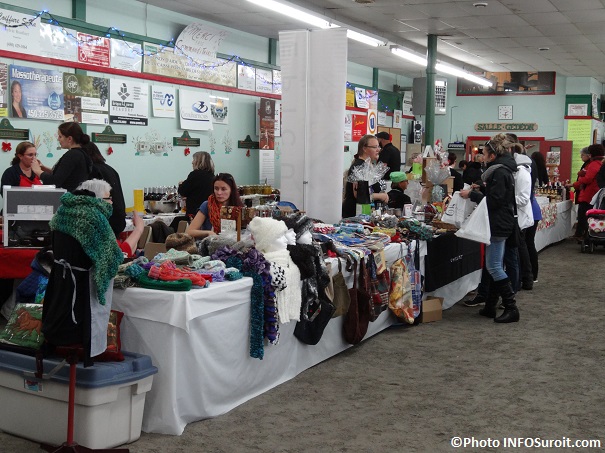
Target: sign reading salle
{"x": 506, "y": 127}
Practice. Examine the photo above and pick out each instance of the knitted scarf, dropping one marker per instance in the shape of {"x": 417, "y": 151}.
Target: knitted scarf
{"x": 214, "y": 211}
{"x": 85, "y": 219}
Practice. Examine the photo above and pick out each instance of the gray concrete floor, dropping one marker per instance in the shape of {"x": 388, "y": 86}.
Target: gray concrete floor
{"x": 413, "y": 389}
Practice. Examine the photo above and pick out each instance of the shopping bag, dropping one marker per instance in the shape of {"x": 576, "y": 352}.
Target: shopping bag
{"x": 476, "y": 227}
{"x": 458, "y": 210}
{"x": 338, "y": 293}
{"x": 380, "y": 284}
{"x": 400, "y": 298}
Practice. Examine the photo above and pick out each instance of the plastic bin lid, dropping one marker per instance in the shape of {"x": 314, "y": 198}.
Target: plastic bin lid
{"x": 102, "y": 374}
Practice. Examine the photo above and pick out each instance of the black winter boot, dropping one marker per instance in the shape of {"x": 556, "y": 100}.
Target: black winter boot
{"x": 489, "y": 310}
{"x": 511, "y": 312}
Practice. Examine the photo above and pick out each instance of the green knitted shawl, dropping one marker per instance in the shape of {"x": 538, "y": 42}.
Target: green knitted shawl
{"x": 85, "y": 219}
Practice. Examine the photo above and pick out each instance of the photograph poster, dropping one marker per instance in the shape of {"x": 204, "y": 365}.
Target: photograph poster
{"x": 85, "y": 99}
{"x": 36, "y": 93}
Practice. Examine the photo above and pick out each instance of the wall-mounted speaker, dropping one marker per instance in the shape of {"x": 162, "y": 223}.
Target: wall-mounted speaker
{"x": 417, "y": 131}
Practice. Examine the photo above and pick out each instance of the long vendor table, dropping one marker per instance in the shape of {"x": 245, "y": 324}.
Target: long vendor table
{"x": 199, "y": 340}
{"x": 557, "y": 226}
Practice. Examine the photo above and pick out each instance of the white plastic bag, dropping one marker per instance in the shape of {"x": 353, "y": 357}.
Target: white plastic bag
{"x": 476, "y": 227}
{"x": 458, "y": 210}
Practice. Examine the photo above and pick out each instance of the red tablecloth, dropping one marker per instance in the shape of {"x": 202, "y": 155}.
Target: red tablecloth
{"x": 15, "y": 262}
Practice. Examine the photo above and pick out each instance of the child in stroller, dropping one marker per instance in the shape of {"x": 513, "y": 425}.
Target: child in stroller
{"x": 596, "y": 224}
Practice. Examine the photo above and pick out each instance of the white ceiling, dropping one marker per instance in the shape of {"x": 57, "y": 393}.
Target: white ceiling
{"x": 503, "y": 36}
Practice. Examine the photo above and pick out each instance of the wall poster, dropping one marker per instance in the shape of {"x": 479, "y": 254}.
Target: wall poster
{"x": 129, "y": 102}
{"x": 194, "y": 110}
{"x": 246, "y": 77}
{"x": 163, "y": 101}
{"x": 36, "y": 93}
{"x": 85, "y": 99}
{"x": 266, "y": 115}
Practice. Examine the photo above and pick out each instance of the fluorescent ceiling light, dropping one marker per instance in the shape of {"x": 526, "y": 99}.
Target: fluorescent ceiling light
{"x": 293, "y": 13}
{"x": 409, "y": 56}
{"x": 310, "y": 19}
{"x": 365, "y": 39}
{"x": 463, "y": 74}
{"x": 441, "y": 67}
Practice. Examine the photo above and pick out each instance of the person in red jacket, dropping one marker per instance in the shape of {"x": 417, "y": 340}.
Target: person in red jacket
{"x": 588, "y": 186}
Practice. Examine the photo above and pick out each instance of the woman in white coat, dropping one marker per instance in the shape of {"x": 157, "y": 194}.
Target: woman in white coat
{"x": 525, "y": 216}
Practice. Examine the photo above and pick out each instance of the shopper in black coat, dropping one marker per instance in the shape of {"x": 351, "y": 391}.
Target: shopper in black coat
{"x": 472, "y": 173}
{"x": 499, "y": 191}
{"x": 389, "y": 153}
{"x": 198, "y": 185}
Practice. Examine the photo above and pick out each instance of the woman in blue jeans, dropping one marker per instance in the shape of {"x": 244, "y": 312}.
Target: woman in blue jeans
{"x": 499, "y": 190}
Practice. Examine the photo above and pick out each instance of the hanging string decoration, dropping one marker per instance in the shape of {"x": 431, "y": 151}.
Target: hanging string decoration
{"x": 113, "y": 32}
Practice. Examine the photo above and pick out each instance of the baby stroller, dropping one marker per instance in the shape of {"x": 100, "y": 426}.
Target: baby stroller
{"x": 596, "y": 224}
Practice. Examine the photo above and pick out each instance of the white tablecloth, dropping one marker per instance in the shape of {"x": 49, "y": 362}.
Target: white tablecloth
{"x": 560, "y": 230}
{"x": 199, "y": 340}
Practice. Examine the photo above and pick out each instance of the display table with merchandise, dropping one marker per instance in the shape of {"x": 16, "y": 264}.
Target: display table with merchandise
{"x": 556, "y": 224}
{"x": 199, "y": 340}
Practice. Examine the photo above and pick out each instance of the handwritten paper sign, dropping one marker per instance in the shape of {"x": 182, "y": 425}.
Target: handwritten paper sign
{"x": 200, "y": 41}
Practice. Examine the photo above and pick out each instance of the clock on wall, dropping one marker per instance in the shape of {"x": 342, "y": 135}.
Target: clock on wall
{"x": 505, "y": 112}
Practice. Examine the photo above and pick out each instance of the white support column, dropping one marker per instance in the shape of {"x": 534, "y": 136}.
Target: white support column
{"x": 314, "y": 76}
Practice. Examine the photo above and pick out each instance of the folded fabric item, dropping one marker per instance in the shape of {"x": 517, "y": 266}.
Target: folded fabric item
{"x": 177, "y": 256}
{"x": 232, "y": 274}
{"x": 176, "y": 285}
{"x": 214, "y": 265}
{"x": 325, "y": 228}
{"x": 168, "y": 271}
{"x": 134, "y": 271}
{"x": 122, "y": 281}
{"x": 198, "y": 261}
{"x": 351, "y": 228}
{"x": 215, "y": 276}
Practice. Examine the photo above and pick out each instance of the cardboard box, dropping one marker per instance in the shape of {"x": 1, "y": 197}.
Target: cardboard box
{"x": 431, "y": 309}
{"x": 110, "y": 397}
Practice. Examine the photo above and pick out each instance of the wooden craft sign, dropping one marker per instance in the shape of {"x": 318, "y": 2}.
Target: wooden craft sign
{"x": 506, "y": 127}
{"x": 7, "y": 131}
{"x": 109, "y": 136}
{"x": 185, "y": 140}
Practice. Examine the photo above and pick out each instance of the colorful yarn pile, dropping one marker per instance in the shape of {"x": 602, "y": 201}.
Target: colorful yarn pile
{"x": 167, "y": 271}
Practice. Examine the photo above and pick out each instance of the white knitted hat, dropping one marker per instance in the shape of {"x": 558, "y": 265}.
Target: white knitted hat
{"x": 265, "y": 231}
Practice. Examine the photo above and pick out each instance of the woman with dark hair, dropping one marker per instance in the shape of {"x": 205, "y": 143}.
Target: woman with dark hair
{"x": 20, "y": 172}
{"x": 500, "y": 197}
{"x": 367, "y": 148}
{"x": 198, "y": 185}
{"x": 101, "y": 170}
{"x": 588, "y": 186}
{"x": 207, "y": 221}
{"x": 540, "y": 161}
{"x": 18, "y": 111}
{"x": 75, "y": 166}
